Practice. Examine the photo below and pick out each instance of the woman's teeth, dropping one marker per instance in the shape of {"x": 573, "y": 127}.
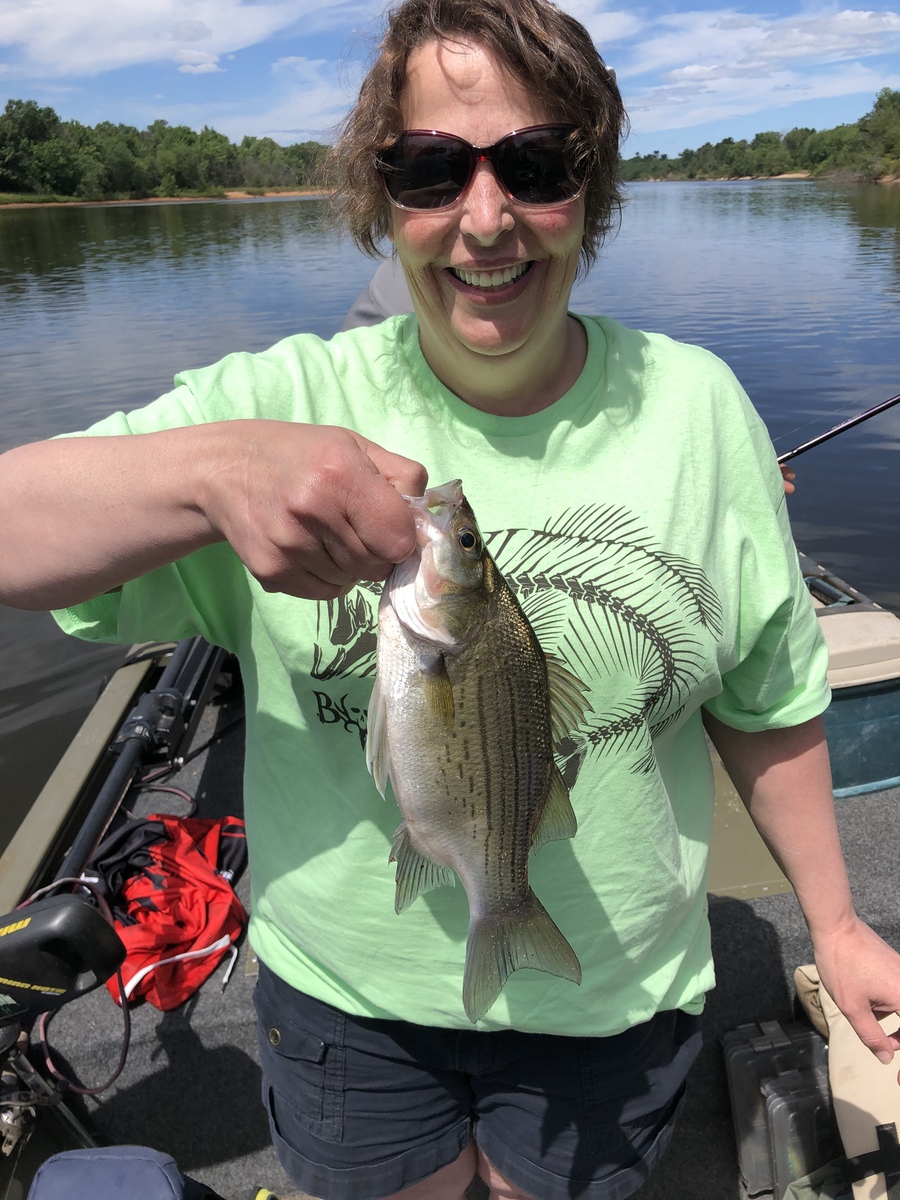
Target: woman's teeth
{"x": 489, "y": 279}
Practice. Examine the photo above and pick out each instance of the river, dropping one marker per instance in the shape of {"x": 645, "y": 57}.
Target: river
{"x": 795, "y": 284}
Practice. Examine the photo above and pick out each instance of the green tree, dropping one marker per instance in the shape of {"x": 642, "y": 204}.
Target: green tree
{"x": 305, "y": 160}
{"x": 217, "y": 159}
{"x": 795, "y": 143}
{"x": 23, "y": 126}
{"x": 123, "y": 154}
{"x": 882, "y": 127}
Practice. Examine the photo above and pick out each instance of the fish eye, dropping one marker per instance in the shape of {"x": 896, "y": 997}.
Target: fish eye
{"x": 467, "y": 538}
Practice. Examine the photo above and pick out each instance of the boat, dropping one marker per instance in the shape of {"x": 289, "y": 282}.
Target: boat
{"x": 190, "y": 1083}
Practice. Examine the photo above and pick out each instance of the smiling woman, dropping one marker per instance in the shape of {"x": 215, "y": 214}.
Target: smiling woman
{"x": 490, "y": 275}
{"x": 260, "y": 503}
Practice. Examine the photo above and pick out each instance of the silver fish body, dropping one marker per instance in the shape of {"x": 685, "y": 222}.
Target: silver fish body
{"x": 463, "y": 719}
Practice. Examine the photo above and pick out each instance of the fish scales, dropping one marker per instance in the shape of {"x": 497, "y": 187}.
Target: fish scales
{"x": 461, "y": 723}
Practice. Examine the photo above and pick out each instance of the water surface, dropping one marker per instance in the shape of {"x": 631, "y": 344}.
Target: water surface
{"x": 795, "y": 285}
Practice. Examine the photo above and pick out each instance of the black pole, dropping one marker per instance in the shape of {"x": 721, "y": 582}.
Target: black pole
{"x": 848, "y": 424}
{"x": 130, "y": 758}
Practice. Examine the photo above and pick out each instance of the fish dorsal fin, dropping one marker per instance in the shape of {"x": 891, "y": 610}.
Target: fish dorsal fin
{"x": 438, "y": 690}
{"x": 558, "y": 818}
{"x": 568, "y": 698}
{"x": 378, "y": 758}
{"x": 415, "y": 873}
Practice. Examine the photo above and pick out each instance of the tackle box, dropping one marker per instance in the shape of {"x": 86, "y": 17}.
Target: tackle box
{"x": 780, "y": 1102}
{"x": 803, "y": 1135}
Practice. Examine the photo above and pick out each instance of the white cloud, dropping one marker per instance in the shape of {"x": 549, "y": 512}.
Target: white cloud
{"x": 197, "y": 62}
{"x": 606, "y": 27}
{"x": 694, "y": 67}
{"x": 203, "y": 68}
{"x": 60, "y": 38}
{"x": 676, "y": 69}
{"x": 309, "y": 101}
{"x": 744, "y": 41}
{"x": 189, "y": 31}
{"x": 684, "y": 103}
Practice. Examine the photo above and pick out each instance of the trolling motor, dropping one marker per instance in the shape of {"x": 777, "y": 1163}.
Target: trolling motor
{"x": 51, "y": 951}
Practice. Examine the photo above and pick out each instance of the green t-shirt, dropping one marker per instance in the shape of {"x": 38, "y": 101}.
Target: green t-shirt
{"x": 641, "y": 521}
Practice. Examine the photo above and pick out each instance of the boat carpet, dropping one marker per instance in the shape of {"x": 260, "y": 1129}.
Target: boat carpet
{"x": 191, "y": 1083}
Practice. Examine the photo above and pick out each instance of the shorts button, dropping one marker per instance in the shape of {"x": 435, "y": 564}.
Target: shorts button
{"x": 275, "y": 1037}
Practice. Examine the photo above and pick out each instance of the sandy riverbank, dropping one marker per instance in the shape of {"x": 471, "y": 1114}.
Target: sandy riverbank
{"x": 304, "y": 193}
{"x": 315, "y": 193}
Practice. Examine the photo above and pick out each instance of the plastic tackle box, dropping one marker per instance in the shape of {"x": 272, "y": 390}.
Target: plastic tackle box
{"x": 789, "y": 1126}
{"x": 802, "y": 1131}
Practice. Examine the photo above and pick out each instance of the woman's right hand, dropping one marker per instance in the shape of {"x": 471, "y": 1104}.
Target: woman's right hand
{"x": 311, "y": 509}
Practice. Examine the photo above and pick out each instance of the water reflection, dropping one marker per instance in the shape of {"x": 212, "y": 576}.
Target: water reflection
{"x": 62, "y": 242}
{"x": 105, "y": 305}
{"x": 795, "y": 285}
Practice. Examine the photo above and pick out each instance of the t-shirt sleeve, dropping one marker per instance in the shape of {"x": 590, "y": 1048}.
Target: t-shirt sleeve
{"x": 199, "y": 594}
{"x": 778, "y": 674}
{"x": 206, "y": 593}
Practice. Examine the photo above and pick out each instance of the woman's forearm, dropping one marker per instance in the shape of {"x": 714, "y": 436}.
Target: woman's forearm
{"x": 309, "y": 509}
{"x": 784, "y": 778}
{"x": 83, "y": 515}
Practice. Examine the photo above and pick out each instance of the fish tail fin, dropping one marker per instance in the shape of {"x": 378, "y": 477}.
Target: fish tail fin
{"x": 499, "y": 945}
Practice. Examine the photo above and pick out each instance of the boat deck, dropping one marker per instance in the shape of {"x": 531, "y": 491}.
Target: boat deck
{"x": 191, "y": 1082}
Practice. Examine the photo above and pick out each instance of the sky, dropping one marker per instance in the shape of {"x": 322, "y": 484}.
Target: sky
{"x": 690, "y": 72}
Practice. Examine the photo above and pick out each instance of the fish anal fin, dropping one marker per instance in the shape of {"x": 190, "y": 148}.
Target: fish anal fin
{"x": 558, "y": 818}
{"x": 499, "y": 945}
{"x": 438, "y": 691}
{"x": 568, "y": 698}
{"x": 416, "y": 874}
{"x": 378, "y": 758}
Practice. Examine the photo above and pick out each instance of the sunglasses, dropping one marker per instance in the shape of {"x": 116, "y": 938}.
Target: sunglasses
{"x": 537, "y": 166}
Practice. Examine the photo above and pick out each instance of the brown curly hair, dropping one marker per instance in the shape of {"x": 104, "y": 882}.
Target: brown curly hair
{"x": 546, "y": 49}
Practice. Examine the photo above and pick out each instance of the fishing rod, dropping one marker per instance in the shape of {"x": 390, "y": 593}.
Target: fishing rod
{"x": 835, "y": 430}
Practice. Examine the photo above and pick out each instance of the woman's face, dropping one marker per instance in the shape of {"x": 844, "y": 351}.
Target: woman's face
{"x": 450, "y": 255}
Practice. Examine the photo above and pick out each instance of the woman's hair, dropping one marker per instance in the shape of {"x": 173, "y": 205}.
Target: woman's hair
{"x": 547, "y": 50}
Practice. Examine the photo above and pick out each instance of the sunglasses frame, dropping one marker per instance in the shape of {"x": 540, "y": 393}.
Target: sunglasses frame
{"x": 478, "y": 154}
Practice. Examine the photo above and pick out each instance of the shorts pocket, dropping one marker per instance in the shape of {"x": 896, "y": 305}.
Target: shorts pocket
{"x": 303, "y": 1075}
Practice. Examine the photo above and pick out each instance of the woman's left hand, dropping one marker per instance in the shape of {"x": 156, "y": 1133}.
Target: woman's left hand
{"x": 862, "y": 974}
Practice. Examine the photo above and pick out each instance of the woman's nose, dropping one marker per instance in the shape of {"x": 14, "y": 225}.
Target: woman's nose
{"x": 487, "y": 211}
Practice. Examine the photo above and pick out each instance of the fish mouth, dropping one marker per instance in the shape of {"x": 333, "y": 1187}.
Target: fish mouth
{"x": 434, "y": 510}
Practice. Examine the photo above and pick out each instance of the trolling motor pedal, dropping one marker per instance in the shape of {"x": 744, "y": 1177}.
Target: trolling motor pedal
{"x": 53, "y": 951}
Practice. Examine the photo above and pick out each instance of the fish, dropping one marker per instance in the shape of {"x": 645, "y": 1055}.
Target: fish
{"x": 465, "y": 712}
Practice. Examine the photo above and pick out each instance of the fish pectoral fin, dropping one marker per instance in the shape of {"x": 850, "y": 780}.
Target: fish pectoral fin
{"x": 558, "y": 818}
{"x": 438, "y": 691}
{"x": 568, "y": 698}
{"x": 415, "y": 873}
{"x": 378, "y": 758}
{"x": 499, "y": 945}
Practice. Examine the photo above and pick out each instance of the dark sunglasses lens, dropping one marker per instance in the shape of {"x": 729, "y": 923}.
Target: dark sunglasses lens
{"x": 423, "y": 171}
{"x": 537, "y": 167}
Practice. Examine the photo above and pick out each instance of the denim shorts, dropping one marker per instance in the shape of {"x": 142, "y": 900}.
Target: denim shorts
{"x": 360, "y": 1108}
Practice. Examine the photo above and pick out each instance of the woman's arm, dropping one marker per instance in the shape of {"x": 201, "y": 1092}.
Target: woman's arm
{"x": 784, "y": 778}
{"x": 309, "y": 509}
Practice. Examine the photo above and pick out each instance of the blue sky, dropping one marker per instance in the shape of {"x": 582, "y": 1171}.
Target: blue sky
{"x": 691, "y": 72}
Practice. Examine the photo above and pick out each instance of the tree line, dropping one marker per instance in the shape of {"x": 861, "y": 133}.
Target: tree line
{"x": 864, "y": 151}
{"x": 41, "y": 155}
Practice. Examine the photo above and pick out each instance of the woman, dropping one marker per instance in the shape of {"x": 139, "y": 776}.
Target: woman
{"x": 249, "y": 502}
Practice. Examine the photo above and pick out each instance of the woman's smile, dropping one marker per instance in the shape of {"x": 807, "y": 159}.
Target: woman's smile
{"x": 498, "y": 282}
{"x": 490, "y": 278}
